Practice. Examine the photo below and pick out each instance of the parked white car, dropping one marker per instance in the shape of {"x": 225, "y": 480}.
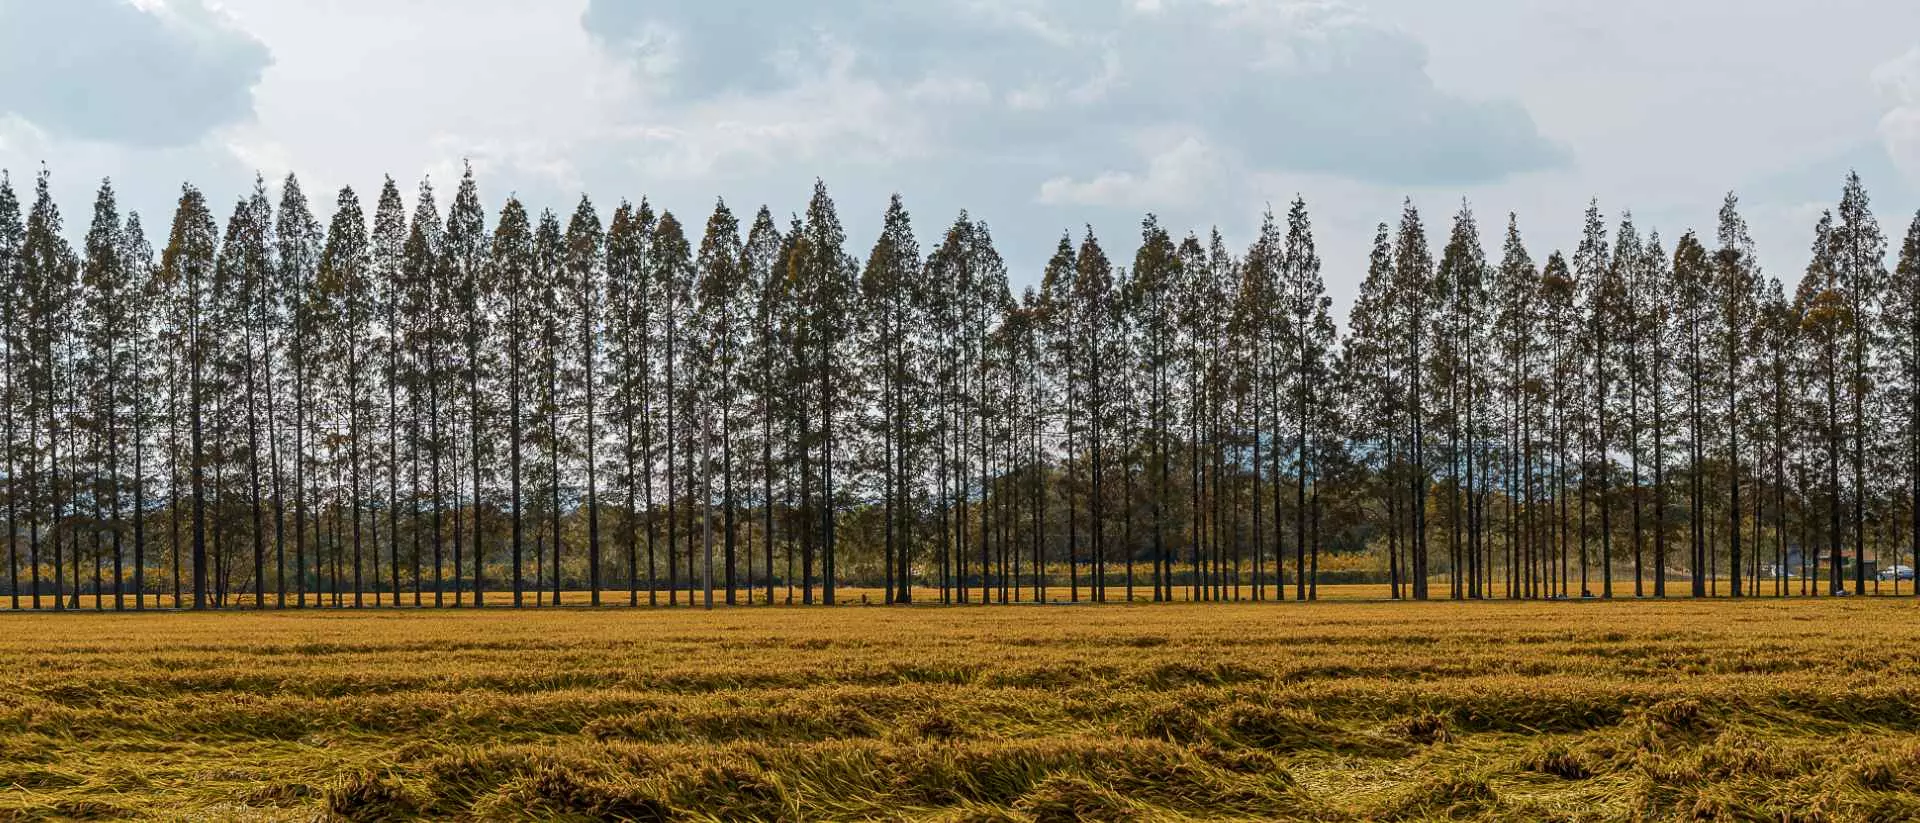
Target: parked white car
{"x": 1897, "y": 573}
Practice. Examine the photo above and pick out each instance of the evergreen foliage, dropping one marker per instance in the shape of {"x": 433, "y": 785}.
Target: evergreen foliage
{"x": 354, "y": 413}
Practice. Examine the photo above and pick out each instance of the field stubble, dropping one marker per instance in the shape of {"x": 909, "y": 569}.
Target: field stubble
{"x": 1335, "y": 711}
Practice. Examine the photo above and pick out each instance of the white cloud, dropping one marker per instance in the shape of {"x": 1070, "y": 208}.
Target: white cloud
{"x": 20, "y": 137}
{"x": 358, "y": 90}
{"x": 1899, "y": 79}
{"x": 1176, "y": 177}
{"x": 951, "y": 90}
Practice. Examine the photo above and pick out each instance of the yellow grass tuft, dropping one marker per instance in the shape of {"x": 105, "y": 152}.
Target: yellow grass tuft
{"x": 1281, "y": 711}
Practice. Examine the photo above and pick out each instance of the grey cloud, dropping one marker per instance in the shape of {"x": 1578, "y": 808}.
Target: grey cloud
{"x": 707, "y": 47}
{"x": 107, "y": 70}
{"x": 1278, "y": 85}
{"x": 1899, "y": 79}
{"x": 1318, "y": 88}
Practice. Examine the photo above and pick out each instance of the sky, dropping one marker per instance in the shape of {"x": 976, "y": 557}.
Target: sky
{"x": 1037, "y": 116}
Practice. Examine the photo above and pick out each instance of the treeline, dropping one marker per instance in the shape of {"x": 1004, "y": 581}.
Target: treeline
{"x": 453, "y": 408}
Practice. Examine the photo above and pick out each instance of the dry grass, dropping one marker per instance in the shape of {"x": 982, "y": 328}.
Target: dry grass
{"x": 1360, "y": 711}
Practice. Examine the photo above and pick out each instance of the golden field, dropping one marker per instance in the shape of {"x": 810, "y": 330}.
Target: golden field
{"x": 1756, "y": 710}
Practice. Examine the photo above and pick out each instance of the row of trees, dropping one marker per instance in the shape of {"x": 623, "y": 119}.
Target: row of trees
{"x": 421, "y": 407}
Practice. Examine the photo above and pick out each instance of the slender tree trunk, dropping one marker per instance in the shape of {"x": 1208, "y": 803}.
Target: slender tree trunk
{"x": 53, "y": 470}
{"x": 888, "y": 476}
{"x": 474, "y": 459}
{"x": 1258, "y": 493}
{"x": 139, "y": 495}
{"x": 1694, "y": 514}
{"x": 986, "y": 581}
{"x": 672, "y": 437}
{"x": 253, "y": 483}
{"x": 588, "y": 380}
{"x": 553, "y": 471}
{"x": 1392, "y": 494}
{"x": 434, "y": 448}
{"x": 1659, "y": 485}
{"x": 1417, "y": 442}
{"x": 1194, "y": 519}
{"x": 646, "y": 479}
{"x": 173, "y": 490}
{"x": 632, "y": 515}
{"x": 1300, "y": 487}
{"x": 393, "y": 462}
{"x": 1162, "y": 557}
{"x": 13, "y": 487}
{"x": 299, "y": 475}
{"x": 515, "y": 457}
{"x": 766, "y": 489}
{"x": 353, "y": 462}
{"x": 1604, "y": 469}
{"x": 1835, "y": 579}
{"x": 1859, "y": 457}
{"x": 808, "y": 533}
{"x": 827, "y": 570}
{"x": 413, "y": 466}
{"x": 726, "y": 499}
{"x": 706, "y": 502}
{"x": 1733, "y": 469}
{"x": 1633, "y": 456}
{"x": 198, "y": 471}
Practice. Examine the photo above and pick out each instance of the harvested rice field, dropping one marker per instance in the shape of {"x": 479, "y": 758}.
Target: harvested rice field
{"x": 1574, "y": 711}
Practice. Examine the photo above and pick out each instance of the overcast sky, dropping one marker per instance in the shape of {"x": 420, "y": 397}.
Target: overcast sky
{"x": 1038, "y": 116}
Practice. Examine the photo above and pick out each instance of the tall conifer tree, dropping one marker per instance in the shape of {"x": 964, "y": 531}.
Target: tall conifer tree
{"x": 387, "y": 272}
{"x": 469, "y": 296}
{"x": 344, "y": 297}
{"x": 585, "y": 286}
{"x": 189, "y": 261}
{"x": 512, "y": 266}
